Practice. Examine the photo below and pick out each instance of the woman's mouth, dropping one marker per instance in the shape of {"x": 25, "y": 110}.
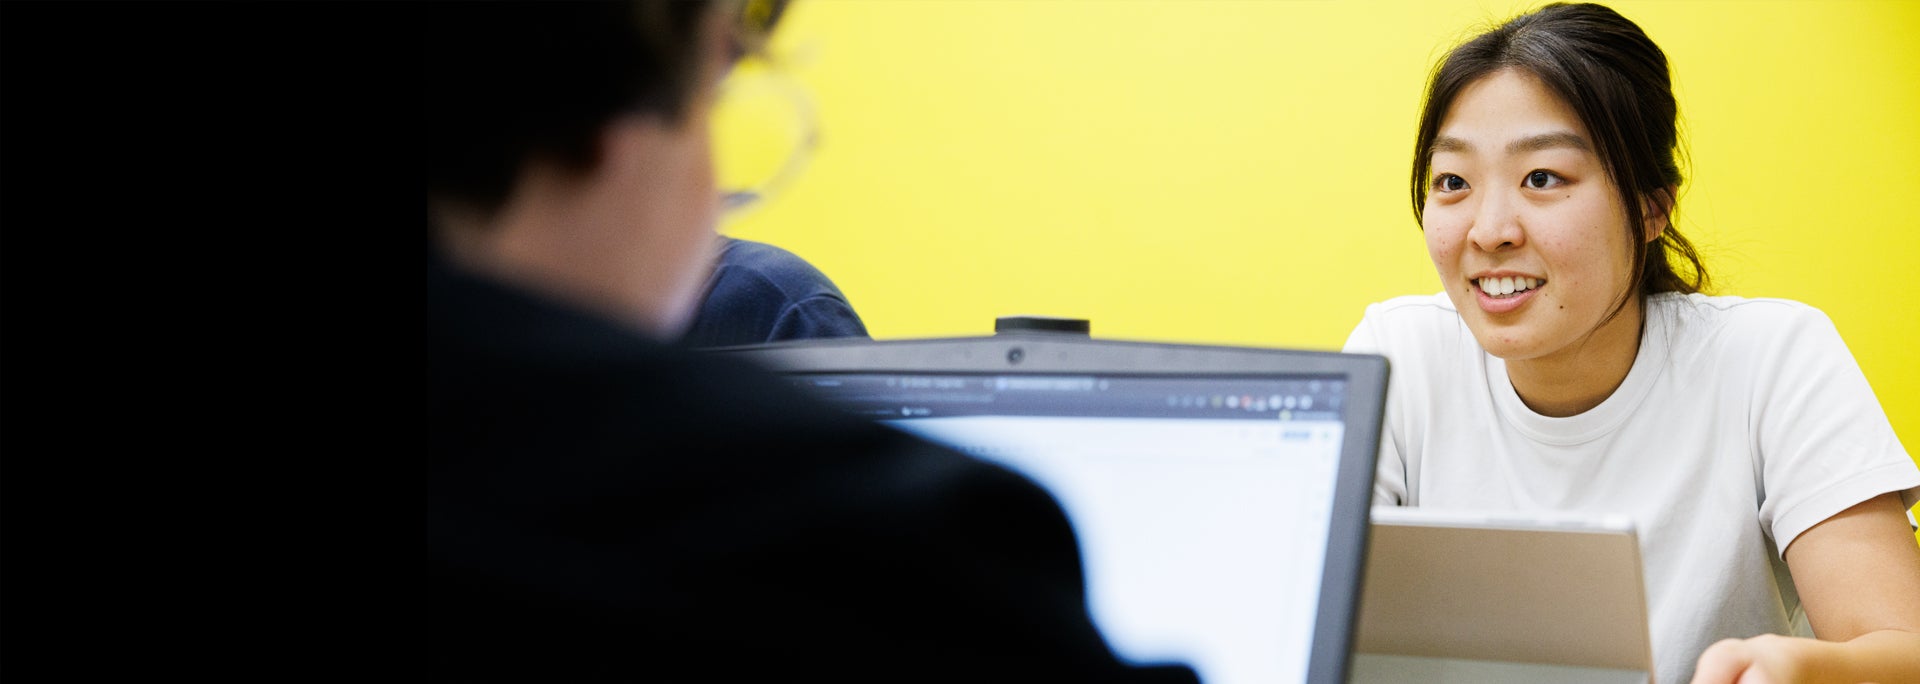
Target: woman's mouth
{"x": 1506, "y": 294}
{"x": 1505, "y": 287}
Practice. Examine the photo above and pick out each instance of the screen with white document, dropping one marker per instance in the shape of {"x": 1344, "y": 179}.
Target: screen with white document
{"x": 1201, "y": 504}
{"x": 1218, "y": 494}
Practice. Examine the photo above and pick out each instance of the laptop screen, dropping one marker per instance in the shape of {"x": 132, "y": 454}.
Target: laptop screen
{"x": 1205, "y": 485}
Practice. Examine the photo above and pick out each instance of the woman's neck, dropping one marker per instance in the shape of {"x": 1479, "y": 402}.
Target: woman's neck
{"x": 1576, "y": 379}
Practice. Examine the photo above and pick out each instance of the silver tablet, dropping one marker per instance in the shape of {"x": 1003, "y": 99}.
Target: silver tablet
{"x": 1494, "y": 596}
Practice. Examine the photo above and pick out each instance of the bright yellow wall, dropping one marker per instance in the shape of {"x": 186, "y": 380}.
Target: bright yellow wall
{"x": 1235, "y": 172}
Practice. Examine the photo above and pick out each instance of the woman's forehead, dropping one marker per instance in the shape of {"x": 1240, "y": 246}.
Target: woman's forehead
{"x": 1510, "y": 111}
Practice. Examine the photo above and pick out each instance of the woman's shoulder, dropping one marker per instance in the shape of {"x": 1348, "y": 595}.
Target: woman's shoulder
{"x": 1408, "y": 323}
{"x": 1414, "y": 309}
{"x": 1414, "y": 316}
{"x": 1764, "y": 327}
{"x": 1739, "y": 313}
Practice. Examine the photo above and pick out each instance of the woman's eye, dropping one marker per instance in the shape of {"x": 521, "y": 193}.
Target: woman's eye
{"x": 1541, "y": 180}
{"x": 1448, "y": 182}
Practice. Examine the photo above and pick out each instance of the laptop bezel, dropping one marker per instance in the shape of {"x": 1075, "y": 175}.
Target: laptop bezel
{"x": 1042, "y": 353}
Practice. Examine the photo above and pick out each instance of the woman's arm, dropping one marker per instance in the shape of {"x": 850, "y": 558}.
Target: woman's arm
{"x": 1858, "y": 574}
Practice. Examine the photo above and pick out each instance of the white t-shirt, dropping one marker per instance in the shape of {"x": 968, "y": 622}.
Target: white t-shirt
{"x": 1742, "y": 423}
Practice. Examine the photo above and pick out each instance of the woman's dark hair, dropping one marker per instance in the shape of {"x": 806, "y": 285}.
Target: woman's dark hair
{"x": 1615, "y": 78}
{"x": 509, "y": 81}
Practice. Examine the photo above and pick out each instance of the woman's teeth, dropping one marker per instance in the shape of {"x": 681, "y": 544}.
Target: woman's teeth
{"x": 1501, "y": 287}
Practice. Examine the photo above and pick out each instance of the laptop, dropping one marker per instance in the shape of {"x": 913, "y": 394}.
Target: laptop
{"x": 1489, "y": 597}
{"x": 1219, "y": 494}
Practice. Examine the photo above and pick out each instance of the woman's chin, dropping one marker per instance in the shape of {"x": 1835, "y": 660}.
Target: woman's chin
{"x": 1504, "y": 344}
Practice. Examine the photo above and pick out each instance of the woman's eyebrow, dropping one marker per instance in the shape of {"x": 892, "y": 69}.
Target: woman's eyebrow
{"x": 1547, "y": 141}
{"x": 1447, "y": 143}
{"x": 1532, "y": 143}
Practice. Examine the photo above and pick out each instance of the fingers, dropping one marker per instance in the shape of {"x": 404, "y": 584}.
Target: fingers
{"x": 1756, "y": 675}
{"x": 1725, "y": 662}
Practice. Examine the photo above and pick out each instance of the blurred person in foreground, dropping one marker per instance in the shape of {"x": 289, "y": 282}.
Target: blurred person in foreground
{"x": 603, "y": 504}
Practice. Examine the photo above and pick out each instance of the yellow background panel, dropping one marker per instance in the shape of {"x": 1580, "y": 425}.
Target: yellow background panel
{"x": 1236, "y": 172}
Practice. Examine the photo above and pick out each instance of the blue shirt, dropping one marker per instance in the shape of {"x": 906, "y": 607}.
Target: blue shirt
{"x": 760, "y": 293}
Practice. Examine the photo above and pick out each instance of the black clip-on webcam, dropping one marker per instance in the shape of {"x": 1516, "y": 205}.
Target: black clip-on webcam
{"x": 1038, "y": 325}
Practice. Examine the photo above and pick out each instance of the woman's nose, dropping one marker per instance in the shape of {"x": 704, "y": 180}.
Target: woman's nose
{"x": 1496, "y": 225}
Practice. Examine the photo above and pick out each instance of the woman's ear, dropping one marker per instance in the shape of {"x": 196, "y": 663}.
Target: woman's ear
{"x": 1657, "y": 208}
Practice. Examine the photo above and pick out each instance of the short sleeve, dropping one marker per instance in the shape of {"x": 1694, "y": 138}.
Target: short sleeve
{"x": 1825, "y": 444}
{"x": 1390, "y": 472}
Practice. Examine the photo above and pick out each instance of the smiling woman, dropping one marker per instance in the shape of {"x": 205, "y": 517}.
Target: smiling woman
{"x": 1518, "y": 195}
{"x": 1571, "y": 363}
